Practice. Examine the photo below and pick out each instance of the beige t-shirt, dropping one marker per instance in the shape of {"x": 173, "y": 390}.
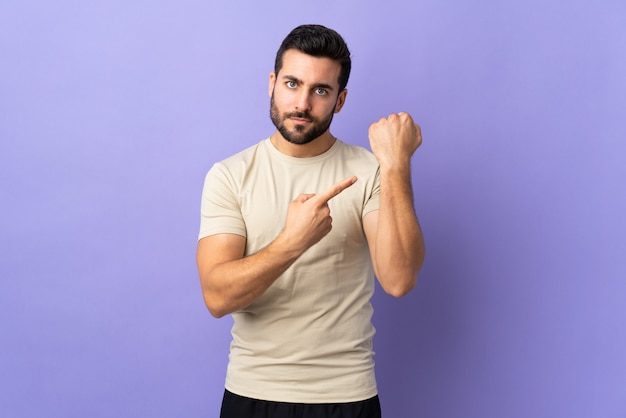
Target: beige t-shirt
{"x": 308, "y": 338}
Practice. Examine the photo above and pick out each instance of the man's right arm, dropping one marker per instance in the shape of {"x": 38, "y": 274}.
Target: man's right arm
{"x": 231, "y": 281}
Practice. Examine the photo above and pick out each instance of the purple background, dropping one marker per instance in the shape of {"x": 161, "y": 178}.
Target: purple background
{"x": 111, "y": 112}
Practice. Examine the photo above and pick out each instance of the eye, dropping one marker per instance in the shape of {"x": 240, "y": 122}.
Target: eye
{"x": 291, "y": 84}
{"x": 320, "y": 91}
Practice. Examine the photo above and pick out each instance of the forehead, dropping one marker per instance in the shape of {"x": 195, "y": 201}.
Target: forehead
{"x": 310, "y": 69}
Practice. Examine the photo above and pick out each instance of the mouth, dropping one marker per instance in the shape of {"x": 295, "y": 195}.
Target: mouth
{"x": 300, "y": 121}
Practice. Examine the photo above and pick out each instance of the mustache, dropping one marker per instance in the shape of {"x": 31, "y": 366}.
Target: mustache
{"x": 299, "y": 115}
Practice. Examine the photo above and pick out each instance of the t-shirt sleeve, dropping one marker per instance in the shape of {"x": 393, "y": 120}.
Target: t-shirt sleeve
{"x": 220, "y": 211}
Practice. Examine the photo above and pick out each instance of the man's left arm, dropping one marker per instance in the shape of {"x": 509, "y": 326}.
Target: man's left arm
{"x": 393, "y": 232}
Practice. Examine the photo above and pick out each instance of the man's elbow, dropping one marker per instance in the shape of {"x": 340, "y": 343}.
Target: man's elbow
{"x": 215, "y": 307}
{"x": 217, "y": 313}
{"x": 401, "y": 288}
{"x": 398, "y": 280}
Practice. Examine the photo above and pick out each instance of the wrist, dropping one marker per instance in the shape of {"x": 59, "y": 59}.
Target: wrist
{"x": 402, "y": 169}
{"x": 285, "y": 247}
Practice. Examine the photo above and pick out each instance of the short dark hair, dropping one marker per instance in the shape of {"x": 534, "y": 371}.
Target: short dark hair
{"x": 317, "y": 41}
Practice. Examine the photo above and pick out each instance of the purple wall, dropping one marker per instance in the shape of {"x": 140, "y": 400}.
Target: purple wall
{"x": 111, "y": 113}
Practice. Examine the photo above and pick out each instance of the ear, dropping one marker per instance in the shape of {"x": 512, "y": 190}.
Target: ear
{"x": 341, "y": 100}
{"x": 272, "y": 83}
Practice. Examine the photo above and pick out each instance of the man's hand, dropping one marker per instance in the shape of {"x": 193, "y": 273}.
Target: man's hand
{"x": 394, "y": 139}
{"x": 308, "y": 216}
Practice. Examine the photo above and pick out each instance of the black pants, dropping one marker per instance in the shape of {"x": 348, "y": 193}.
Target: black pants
{"x": 235, "y": 406}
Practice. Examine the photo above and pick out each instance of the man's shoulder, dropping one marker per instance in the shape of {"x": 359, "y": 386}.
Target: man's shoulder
{"x": 244, "y": 155}
{"x": 237, "y": 165}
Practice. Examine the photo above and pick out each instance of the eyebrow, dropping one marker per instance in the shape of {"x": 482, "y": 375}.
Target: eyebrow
{"x": 315, "y": 86}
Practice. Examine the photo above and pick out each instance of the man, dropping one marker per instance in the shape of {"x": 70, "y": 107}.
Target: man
{"x": 293, "y": 230}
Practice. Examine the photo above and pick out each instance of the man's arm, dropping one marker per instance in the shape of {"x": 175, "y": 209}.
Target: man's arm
{"x": 393, "y": 232}
{"x": 231, "y": 281}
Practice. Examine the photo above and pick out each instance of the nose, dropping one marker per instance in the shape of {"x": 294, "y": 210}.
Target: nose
{"x": 303, "y": 101}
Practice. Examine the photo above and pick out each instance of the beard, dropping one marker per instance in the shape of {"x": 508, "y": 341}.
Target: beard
{"x": 300, "y": 135}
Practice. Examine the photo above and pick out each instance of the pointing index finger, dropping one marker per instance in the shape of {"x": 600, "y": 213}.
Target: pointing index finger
{"x": 335, "y": 189}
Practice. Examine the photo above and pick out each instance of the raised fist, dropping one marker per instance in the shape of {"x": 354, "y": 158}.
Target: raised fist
{"x": 394, "y": 139}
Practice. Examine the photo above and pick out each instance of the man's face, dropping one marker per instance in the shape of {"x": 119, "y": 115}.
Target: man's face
{"x": 305, "y": 96}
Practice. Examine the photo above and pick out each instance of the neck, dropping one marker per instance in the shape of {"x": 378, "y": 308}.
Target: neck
{"x": 318, "y": 146}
